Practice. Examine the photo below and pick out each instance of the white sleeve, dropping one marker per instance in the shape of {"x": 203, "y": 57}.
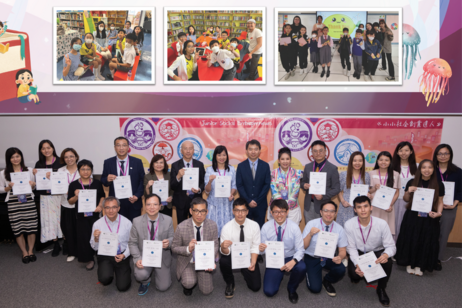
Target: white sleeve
{"x": 225, "y": 235}
{"x": 256, "y": 240}
{"x": 94, "y": 244}
{"x": 351, "y": 248}
{"x": 173, "y": 67}
{"x": 2, "y": 182}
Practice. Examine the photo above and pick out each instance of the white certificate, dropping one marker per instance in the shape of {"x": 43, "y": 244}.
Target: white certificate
{"x": 423, "y": 200}
{"x": 371, "y": 270}
{"x": 240, "y": 255}
{"x": 160, "y": 188}
{"x": 152, "y": 253}
{"x": 41, "y": 181}
{"x": 123, "y": 187}
{"x": 326, "y": 244}
{"x": 357, "y": 190}
{"x": 448, "y": 198}
{"x": 223, "y": 187}
{"x": 108, "y": 243}
{"x": 59, "y": 184}
{"x": 274, "y": 254}
{"x": 403, "y": 186}
{"x": 204, "y": 255}
{"x": 87, "y": 200}
{"x": 383, "y": 197}
{"x": 318, "y": 183}
{"x": 21, "y": 183}
{"x": 191, "y": 178}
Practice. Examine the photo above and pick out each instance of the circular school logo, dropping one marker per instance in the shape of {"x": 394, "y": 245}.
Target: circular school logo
{"x": 140, "y": 133}
{"x": 371, "y": 157}
{"x": 394, "y": 26}
{"x": 310, "y": 154}
{"x": 327, "y": 130}
{"x": 295, "y": 133}
{"x": 163, "y": 148}
{"x": 197, "y": 148}
{"x": 344, "y": 149}
{"x": 169, "y": 129}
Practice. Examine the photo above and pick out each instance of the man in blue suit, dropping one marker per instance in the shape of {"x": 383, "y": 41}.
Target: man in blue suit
{"x": 120, "y": 165}
{"x": 253, "y": 180}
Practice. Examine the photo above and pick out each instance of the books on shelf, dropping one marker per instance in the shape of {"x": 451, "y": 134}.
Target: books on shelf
{"x": 225, "y": 24}
{"x": 224, "y": 17}
{"x": 175, "y": 17}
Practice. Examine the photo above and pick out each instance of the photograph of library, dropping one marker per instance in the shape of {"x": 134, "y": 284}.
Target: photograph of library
{"x": 214, "y": 46}
{"x": 341, "y": 47}
{"x": 103, "y": 45}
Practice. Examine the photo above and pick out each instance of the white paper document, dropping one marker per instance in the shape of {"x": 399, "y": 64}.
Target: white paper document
{"x": 423, "y": 200}
{"x": 108, "y": 243}
{"x": 59, "y": 184}
{"x": 357, "y": 190}
{"x": 240, "y": 255}
{"x": 318, "y": 183}
{"x": 274, "y": 254}
{"x": 403, "y": 186}
{"x": 160, "y": 188}
{"x": 222, "y": 187}
{"x": 123, "y": 187}
{"x": 191, "y": 178}
{"x": 41, "y": 181}
{"x": 326, "y": 244}
{"x": 383, "y": 197}
{"x": 448, "y": 198}
{"x": 371, "y": 270}
{"x": 204, "y": 255}
{"x": 21, "y": 183}
{"x": 152, "y": 253}
{"x": 87, "y": 200}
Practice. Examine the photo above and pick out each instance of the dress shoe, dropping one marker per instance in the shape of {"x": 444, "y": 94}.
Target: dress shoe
{"x": 323, "y": 73}
{"x": 187, "y": 292}
{"x": 293, "y": 297}
{"x": 65, "y": 249}
{"x": 260, "y": 259}
{"x": 229, "y": 291}
{"x": 383, "y": 297}
{"x": 328, "y": 74}
{"x": 355, "y": 281}
{"x": 32, "y": 258}
{"x": 90, "y": 265}
{"x": 25, "y": 259}
{"x": 438, "y": 266}
{"x": 143, "y": 289}
{"x": 56, "y": 249}
{"x": 109, "y": 77}
{"x": 329, "y": 288}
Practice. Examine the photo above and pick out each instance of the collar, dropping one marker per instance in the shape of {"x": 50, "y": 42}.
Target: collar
{"x": 327, "y": 224}
{"x": 124, "y": 160}
{"x": 239, "y": 224}
{"x": 194, "y": 224}
{"x": 115, "y": 221}
{"x": 319, "y": 164}
{"x": 184, "y": 162}
{"x": 255, "y": 162}
{"x": 284, "y": 222}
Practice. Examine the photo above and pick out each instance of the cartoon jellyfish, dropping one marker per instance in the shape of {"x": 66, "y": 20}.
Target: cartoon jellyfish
{"x": 435, "y": 79}
{"x": 411, "y": 41}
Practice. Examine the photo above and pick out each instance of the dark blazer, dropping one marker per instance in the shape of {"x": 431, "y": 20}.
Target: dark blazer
{"x": 153, "y": 177}
{"x": 251, "y": 189}
{"x": 180, "y": 197}
{"x": 136, "y": 173}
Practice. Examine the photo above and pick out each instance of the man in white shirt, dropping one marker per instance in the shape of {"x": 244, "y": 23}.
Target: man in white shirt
{"x": 119, "y": 264}
{"x": 128, "y": 57}
{"x": 224, "y": 58}
{"x": 255, "y": 38}
{"x": 240, "y": 229}
{"x": 365, "y": 234}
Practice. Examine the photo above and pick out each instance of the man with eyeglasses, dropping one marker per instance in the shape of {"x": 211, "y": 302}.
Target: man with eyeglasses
{"x": 240, "y": 229}
{"x": 124, "y": 165}
{"x": 284, "y": 230}
{"x": 187, "y": 234}
{"x": 315, "y": 264}
{"x": 112, "y": 222}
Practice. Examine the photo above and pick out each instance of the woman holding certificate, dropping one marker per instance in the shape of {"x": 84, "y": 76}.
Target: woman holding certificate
{"x": 418, "y": 241}
{"x": 220, "y": 188}
{"x": 285, "y": 184}
{"x": 87, "y": 195}
{"x": 157, "y": 181}
{"x": 22, "y": 212}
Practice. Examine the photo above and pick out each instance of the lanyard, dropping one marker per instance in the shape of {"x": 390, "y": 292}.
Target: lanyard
{"x": 110, "y": 227}
{"x": 441, "y": 174}
{"x": 219, "y": 172}
{"x": 360, "y": 229}
{"x": 283, "y": 231}
{"x": 75, "y": 173}
{"x": 359, "y": 179}
{"x": 126, "y": 167}
{"x": 408, "y": 168}
{"x": 54, "y": 158}
{"x": 82, "y": 183}
{"x": 319, "y": 168}
{"x": 286, "y": 178}
{"x": 331, "y": 226}
{"x": 155, "y": 230}
{"x": 380, "y": 178}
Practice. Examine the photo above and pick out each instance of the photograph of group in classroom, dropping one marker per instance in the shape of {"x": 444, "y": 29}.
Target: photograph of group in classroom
{"x": 104, "y": 45}
{"x": 210, "y": 46}
{"x": 345, "y": 46}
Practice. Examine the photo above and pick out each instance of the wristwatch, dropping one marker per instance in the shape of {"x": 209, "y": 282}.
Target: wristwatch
{"x": 296, "y": 261}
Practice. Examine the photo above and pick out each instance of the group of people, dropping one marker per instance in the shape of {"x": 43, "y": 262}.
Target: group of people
{"x": 416, "y": 240}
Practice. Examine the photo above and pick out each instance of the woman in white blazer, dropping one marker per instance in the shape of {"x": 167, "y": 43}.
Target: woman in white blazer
{"x": 186, "y": 64}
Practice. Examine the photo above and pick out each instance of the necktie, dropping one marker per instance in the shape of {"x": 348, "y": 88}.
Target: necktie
{"x": 253, "y": 170}
{"x": 152, "y": 231}
{"x": 317, "y": 167}
{"x": 279, "y": 234}
{"x": 187, "y": 165}
{"x": 198, "y": 234}
{"x": 327, "y": 228}
{"x": 122, "y": 163}
{"x": 241, "y": 236}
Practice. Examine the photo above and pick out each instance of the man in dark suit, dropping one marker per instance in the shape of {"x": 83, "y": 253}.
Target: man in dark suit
{"x": 253, "y": 180}
{"x": 182, "y": 198}
{"x": 121, "y": 165}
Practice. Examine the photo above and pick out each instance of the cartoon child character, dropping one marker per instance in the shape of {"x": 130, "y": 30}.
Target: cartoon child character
{"x": 24, "y": 83}
{"x": 3, "y": 28}
{"x": 295, "y": 130}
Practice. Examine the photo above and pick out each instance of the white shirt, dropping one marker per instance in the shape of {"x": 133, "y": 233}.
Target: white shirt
{"x": 129, "y": 55}
{"x": 195, "y": 235}
{"x": 4, "y": 183}
{"x": 124, "y": 232}
{"x": 180, "y": 64}
{"x": 379, "y": 238}
{"x": 70, "y": 179}
{"x": 253, "y": 36}
{"x": 232, "y": 231}
{"x": 126, "y": 166}
{"x": 224, "y": 58}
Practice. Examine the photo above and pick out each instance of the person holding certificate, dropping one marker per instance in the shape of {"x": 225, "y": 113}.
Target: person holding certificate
{"x": 151, "y": 238}
{"x": 384, "y": 175}
{"x": 181, "y": 197}
{"x": 22, "y": 212}
{"x": 158, "y": 174}
{"x": 281, "y": 229}
{"x": 332, "y": 184}
{"x": 321, "y": 237}
{"x": 239, "y": 230}
{"x": 369, "y": 234}
{"x": 129, "y": 169}
{"x": 418, "y": 241}
{"x": 220, "y": 188}
{"x": 85, "y": 220}
{"x": 285, "y": 185}
{"x": 353, "y": 182}
{"x": 451, "y": 176}
{"x": 188, "y": 233}
{"x": 119, "y": 263}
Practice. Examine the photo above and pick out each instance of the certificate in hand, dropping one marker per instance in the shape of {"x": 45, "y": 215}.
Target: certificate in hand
{"x": 423, "y": 200}
{"x": 326, "y": 244}
{"x": 123, "y": 187}
{"x": 152, "y": 253}
{"x": 160, "y": 188}
{"x": 191, "y": 178}
{"x": 285, "y": 40}
{"x": 274, "y": 254}
{"x": 302, "y": 41}
{"x": 59, "y": 184}
{"x": 41, "y": 181}
{"x": 223, "y": 187}
{"x": 21, "y": 183}
{"x": 240, "y": 255}
{"x": 204, "y": 255}
{"x": 318, "y": 183}
{"x": 87, "y": 200}
{"x": 357, "y": 190}
{"x": 371, "y": 270}
{"x": 108, "y": 243}
{"x": 383, "y": 197}
{"x": 448, "y": 198}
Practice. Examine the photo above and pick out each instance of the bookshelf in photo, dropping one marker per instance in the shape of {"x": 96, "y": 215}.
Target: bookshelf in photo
{"x": 73, "y": 20}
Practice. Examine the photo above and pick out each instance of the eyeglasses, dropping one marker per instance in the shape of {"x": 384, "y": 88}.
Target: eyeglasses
{"x": 328, "y": 211}
{"x": 197, "y": 212}
{"x": 317, "y": 152}
{"x": 111, "y": 208}
{"x": 276, "y": 213}
{"x": 121, "y": 145}
{"x": 152, "y": 204}
{"x": 85, "y": 169}
{"x": 443, "y": 154}
{"x": 240, "y": 211}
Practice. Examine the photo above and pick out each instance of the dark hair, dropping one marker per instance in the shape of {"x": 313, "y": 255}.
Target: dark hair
{"x": 120, "y": 138}
{"x": 151, "y": 196}
{"x": 186, "y": 45}
{"x": 22, "y": 72}
{"x": 397, "y": 160}
{"x": 128, "y": 21}
{"x": 156, "y": 158}
{"x": 75, "y": 39}
{"x": 109, "y": 199}
{"x": 9, "y": 166}
{"x": 325, "y": 28}
{"x": 303, "y": 27}
{"x": 112, "y": 24}
{"x": 390, "y": 178}
{"x": 346, "y": 29}
{"x": 191, "y": 26}
{"x": 121, "y": 30}
{"x": 369, "y": 23}
{"x": 85, "y": 162}
{"x": 361, "y": 199}
{"x": 370, "y": 32}
{"x": 181, "y": 34}
{"x": 384, "y": 23}
{"x": 253, "y": 142}
{"x": 359, "y": 31}
{"x": 375, "y": 24}
{"x": 98, "y": 34}
{"x": 131, "y": 36}
{"x": 361, "y": 25}
{"x": 42, "y": 157}
{"x": 199, "y": 200}
{"x": 213, "y": 42}
{"x": 287, "y": 25}
{"x": 284, "y": 150}
{"x": 225, "y": 31}
{"x": 234, "y": 39}
{"x": 61, "y": 158}
{"x": 318, "y": 142}
{"x": 218, "y": 150}
{"x": 451, "y": 167}
{"x": 433, "y": 184}
{"x": 1, "y": 24}
{"x": 362, "y": 171}
{"x": 329, "y": 202}
{"x": 218, "y": 27}
{"x": 90, "y": 34}
{"x": 280, "y": 203}
{"x": 140, "y": 36}
{"x": 239, "y": 202}
{"x": 319, "y": 16}
{"x": 314, "y": 32}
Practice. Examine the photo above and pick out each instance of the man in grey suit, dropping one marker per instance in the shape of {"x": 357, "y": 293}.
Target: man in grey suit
{"x": 320, "y": 164}
{"x": 152, "y": 226}
{"x": 187, "y": 234}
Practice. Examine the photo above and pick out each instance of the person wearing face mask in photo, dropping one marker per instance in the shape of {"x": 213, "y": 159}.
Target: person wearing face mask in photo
{"x": 314, "y": 50}
{"x": 102, "y": 40}
{"x": 112, "y": 37}
{"x": 234, "y": 43}
{"x": 344, "y": 49}
{"x": 374, "y": 53}
{"x": 357, "y": 49}
{"x": 129, "y": 55}
{"x": 71, "y": 63}
{"x": 88, "y": 56}
{"x": 224, "y": 58}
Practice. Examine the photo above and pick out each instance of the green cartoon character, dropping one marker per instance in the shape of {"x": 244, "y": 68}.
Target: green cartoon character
{"x": 337, "y": 22}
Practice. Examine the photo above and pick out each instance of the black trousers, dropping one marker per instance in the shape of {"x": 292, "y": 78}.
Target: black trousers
{"x": 371, "y": 67}
{"x": 345, "y": 59}
{"x": 166, "y": 211}
{"x": 69, "y": 228}
{"x": 107, "y": 266}
{"x": 303, "y": 58}
{"x": 288, "y": 59}
{"x": 253, "y": 279}
{"x": 85, "y": 252}
{"x": 391, "y": 67}
{"x": 364, "y": 60}
{"x": 386, "y": 267}
{"x": 384, "y": 60}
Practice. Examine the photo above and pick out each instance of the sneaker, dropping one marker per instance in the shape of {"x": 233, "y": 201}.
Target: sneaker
{"x": 70, "y": 259}
{"x": 329, "y": 288}
{"x": 382, "y": 69}
{"x": 418, "y": 272}
{"x": 101, "y": 78}
{"x": 302, "y": 71}
{"x": 410, "y": 270}
{"x": 56, "y": 249}
{"x": 292, "y": 73}
{"x": 287, "y": 76}
{"x": 296, "y": 66}
{"x": 229, "y": 291}
{"x": 371, "y": 77}
{"x": 390, "y": 78}
{"x": 344, "y": 71}
{"x": 143, "y": 289}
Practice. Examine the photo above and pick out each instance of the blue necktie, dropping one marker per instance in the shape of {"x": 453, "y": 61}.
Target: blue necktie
{"x": 279, "y": 234}
{"x": 323, "y": 260}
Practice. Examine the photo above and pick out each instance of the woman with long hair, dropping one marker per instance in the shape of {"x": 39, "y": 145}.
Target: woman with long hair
{"x": 386, "y": 52}
{"x": 158, "y": 171}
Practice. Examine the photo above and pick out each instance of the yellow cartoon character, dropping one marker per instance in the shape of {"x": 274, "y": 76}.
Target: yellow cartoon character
{"x": 337, "y": 22}
{"x": 26, "y": 91}
{"x": 3, "y": 48}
